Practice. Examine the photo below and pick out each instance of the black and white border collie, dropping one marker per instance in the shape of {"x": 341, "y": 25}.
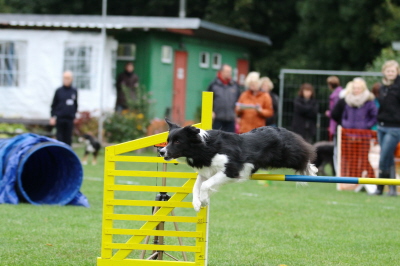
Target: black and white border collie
{"x": 221, "y": 157}
{"x": 92, "y": 146}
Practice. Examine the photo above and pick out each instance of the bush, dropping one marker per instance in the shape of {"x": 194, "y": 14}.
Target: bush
{"x": 7, "y": 130}
{"x": 131, "y": 123}
{"x": 125, "y": 126}
{"x": 86, "y": 124}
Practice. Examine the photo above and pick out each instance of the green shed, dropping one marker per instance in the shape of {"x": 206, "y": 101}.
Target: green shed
{"x": 176, "y": 64}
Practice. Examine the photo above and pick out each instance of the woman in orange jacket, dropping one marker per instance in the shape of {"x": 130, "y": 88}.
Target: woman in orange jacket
{"x": 253, "y": 105}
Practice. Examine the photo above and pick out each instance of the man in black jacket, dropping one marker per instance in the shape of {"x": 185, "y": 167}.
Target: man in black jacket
{"x": 64, "y": 108}
{"x": 226, "y": 93}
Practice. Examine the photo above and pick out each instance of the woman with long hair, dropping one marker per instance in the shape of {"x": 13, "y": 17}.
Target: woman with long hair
{"x": 389, "y": 122}
{"x": 305, "y": 113}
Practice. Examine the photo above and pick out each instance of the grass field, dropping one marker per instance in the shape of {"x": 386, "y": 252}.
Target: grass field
{"x": 250, "y": 224}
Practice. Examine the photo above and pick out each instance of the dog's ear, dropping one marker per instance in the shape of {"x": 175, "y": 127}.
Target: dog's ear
{"x": 193, "y": 134}
{"x": 192, "y": 130}
{"x": 171, "y": 125}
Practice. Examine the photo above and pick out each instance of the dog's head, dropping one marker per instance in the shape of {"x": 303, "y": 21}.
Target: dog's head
{"x": 84, "y": 138}
{"x": 182, "y": 141}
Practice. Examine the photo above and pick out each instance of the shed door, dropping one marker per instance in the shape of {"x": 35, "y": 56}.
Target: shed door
{"x": 243, "y": 70}
{"x": 179, "y": 97}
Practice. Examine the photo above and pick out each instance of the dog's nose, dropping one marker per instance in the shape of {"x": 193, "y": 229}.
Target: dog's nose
{"x": 162, "y": 151}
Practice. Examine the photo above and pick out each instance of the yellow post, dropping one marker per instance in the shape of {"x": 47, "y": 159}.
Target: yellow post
{"x": 116, "y": 253}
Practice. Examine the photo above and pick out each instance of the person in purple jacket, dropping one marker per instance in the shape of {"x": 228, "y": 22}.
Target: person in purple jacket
{"x": 357, "y": 109}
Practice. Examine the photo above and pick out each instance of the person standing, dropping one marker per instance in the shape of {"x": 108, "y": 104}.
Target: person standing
{"x": 357, "y": 110}
{"x": 64, "y": 108}
{"x": 267, "y": 86}
{"x": 130, "y": 81}
{"x": 305, "y": 113}
{"x": 389, "y": 122}
{"x": 226, "y": 92}
{"x": 254, "y": 105}
{"x": 334, "y": 85}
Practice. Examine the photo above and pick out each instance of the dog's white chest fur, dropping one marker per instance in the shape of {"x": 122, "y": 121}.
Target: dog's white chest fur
{"x": 218, "y": 163}
{"x": 89, "y": 146}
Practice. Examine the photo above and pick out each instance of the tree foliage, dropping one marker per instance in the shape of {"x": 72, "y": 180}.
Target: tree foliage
{"x": 336, "y": 34}
{"x": 313, "y": 34}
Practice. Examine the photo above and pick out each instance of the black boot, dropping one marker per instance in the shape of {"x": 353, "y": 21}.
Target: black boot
{"x": 392, "y": 191}
{"x": 379, "y": 190}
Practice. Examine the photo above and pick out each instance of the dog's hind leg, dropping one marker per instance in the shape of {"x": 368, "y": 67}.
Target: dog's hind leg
{"x": 212, "y": 184}
{"x": 85, "y": 157}
{"x": 310, "y": 170}
{"x": 196, "y": 193}
{"x": 94, "y": 161}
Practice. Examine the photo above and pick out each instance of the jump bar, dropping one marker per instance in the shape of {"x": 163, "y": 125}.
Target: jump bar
{"x": 326, "y": 179}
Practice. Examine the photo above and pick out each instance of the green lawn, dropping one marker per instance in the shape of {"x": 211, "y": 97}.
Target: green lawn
{"x": 250, "y": 224}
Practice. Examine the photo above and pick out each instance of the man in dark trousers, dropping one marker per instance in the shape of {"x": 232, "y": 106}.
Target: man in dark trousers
{"x": 226, "y": 93}
{"x": 130, "y": 81}
{"x": 64, "y": 108}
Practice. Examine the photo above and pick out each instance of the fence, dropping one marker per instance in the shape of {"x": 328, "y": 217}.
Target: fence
{"x": 290, "y": 81}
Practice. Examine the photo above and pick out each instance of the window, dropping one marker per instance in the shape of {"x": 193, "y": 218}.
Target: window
{"x": 166, "y": 54}
{"x": 216, "y": 61}
{"x": 204, "y": 59}
{"x": 126, "y": 51}
{"x": 80, "y": 60}
{"x": 12, "y": 63}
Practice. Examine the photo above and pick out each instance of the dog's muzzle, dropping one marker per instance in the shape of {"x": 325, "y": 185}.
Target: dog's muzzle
{"x": 163, "y": 153}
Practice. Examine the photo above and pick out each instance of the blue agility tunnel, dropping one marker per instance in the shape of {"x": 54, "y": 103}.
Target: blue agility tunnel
{"x": 39, "y": 170}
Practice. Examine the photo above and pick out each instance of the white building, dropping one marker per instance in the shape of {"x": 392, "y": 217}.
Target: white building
{"x": 29, "y": 76}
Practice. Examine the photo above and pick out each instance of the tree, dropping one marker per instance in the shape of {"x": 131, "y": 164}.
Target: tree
{"x": 387, "y": 27}
{"x": 385, "y": 55}
{"x": 313, "y": 34}
{"x": 335, "y": 34}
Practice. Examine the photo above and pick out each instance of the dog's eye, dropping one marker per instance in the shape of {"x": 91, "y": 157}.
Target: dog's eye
{"x": 176, "y": 142}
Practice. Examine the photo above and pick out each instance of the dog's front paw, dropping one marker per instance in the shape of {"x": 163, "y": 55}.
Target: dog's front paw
{"x": 204, "y": 198}
{"x": 196, "y": 204}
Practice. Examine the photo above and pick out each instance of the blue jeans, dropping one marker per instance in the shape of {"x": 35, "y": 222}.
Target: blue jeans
{"x": 388, "y": 138}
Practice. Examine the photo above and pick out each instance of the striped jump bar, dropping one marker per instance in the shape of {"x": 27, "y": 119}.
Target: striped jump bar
{"x": 326, "y": 179}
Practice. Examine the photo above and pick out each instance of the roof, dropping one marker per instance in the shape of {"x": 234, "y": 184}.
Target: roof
{"x": 199, "y": 27}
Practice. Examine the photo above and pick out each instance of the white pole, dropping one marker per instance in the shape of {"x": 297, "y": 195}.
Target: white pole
{"x": 182, "y": 8}
{"x": 101, "y": 75}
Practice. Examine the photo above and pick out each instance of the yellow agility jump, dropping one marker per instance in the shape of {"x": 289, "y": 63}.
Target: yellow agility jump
{"x": 131, "y": 250}
{"x": 119, "y": 253}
